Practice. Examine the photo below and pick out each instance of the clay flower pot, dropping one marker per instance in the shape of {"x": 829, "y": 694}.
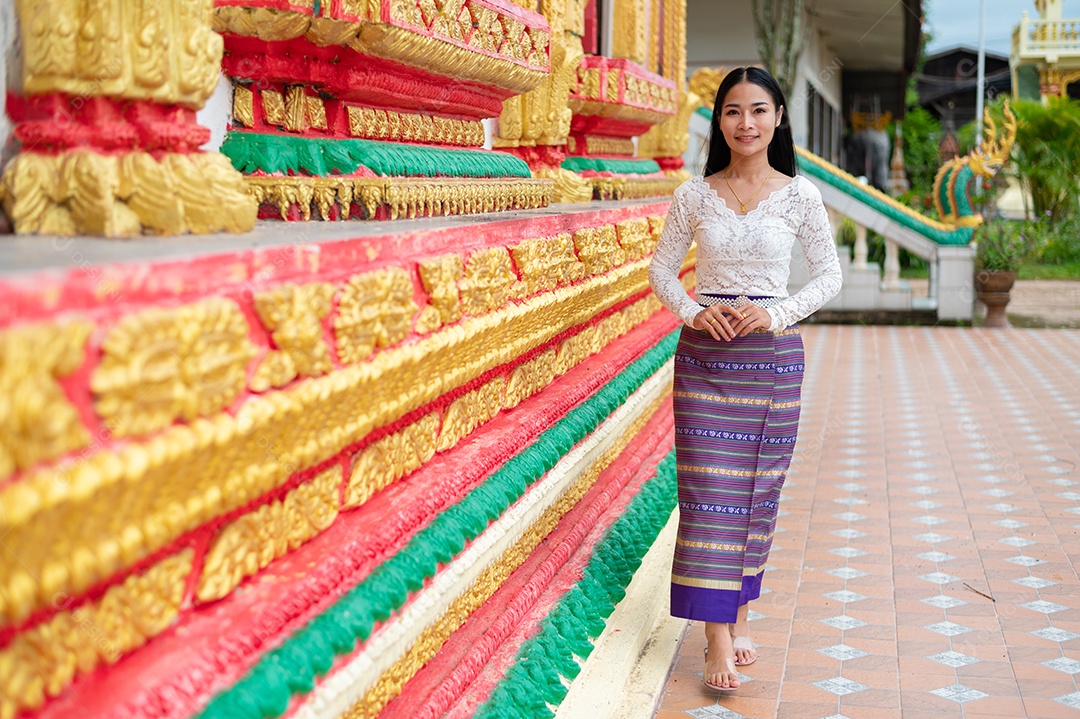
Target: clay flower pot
{"x": 992, "y": 288}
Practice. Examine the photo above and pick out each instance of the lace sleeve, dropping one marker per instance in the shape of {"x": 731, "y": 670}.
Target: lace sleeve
{"x": 815, "y": 236}
{"x": 671, "y": 249}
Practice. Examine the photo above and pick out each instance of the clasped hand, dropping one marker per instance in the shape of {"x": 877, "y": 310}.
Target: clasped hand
{"x": 724, "y": 321}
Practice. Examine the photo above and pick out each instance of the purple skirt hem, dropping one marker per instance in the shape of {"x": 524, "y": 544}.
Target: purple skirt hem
{"x": 713, "y": 605}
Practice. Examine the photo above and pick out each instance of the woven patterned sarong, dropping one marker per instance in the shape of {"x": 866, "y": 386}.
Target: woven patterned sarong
{"x": 736, "y": 418}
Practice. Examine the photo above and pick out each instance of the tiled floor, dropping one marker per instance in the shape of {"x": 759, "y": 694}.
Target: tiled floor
{"x": 925, "y": 565}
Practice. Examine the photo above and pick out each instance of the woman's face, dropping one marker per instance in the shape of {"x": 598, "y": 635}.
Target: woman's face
{"x": 748, "y": 119}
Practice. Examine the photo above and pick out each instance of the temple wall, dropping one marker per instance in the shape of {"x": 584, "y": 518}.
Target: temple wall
{"x": 278, "y": 437}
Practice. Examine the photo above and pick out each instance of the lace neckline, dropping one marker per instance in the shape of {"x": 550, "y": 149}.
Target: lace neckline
{"x": 775, "y": 194}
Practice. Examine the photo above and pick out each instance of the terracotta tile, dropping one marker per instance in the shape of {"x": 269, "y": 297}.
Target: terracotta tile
{"x": 915, "y": 432}
{"x": 887, "y": 699}
{"x": 796, "y": 709}
{"x": 1047, "y": 709}
{"x": 681, "y": 701}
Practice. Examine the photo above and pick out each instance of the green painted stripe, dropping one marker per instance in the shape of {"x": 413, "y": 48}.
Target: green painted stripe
{"x": 320, "y": 157}
{"x": 534, "y": 683}
{"x": 704, "y": 112}
{"x": 623, "y": 167}
{"x": 290, "y": 669}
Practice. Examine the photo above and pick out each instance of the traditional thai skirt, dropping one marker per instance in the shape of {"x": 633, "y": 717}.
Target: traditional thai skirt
{"x": 736, "y": 419}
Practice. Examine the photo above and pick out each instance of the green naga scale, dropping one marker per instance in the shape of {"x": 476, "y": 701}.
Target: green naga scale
{"x": 952, "y": 179}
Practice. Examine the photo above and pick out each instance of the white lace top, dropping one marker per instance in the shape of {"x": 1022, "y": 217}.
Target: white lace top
{"x": 747, "y": 254}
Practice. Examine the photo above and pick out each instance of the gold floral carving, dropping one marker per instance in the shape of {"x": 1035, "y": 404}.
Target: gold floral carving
{"x": 529, "y": 378}
{"x": 599, "y": 145}
{"x": 598, "y": 249}
{"x": 213, "y": 466}
{"x": 671, "y": 137}
{"x": 273, "y": 107}
{"x": 375, "y": 124}
{"x": 629, "y": 31}
{"x": 294, "y": 315}
{"x": 427, "y": 645}
{"x": 674, "y": 61}
{"x": 547, "y": 263}
{"x": 611, "y": 89}
{"x": 489, "y": 32}
{"x": 80, "y": 192}
{"x": 244, "y": 106}
{"x": 375, "y": 310}
{"x": 632, "y": 188}
{"x": 654, "y": 39}
{"x": 469, "y": 411}
{"x": 37, "y": 421}
{"x": 440, "y": 276}
{"x": 161, "y": 365}
{"x": 400, "y": 453}
{"x": 40, "y": 663}
{"x": 504, "y": 68}
{"x": 116, "y": 48}
{"x": 635, "y": 238}
{"x": 387, "y": 460}
{"x": 296, "y": 109}
{"x": 705, "y": 82}
{"x": 316, "y": 112}
{"x": 487, "y": 281}
{"x": 250, "y": 542}
{"x": 568, "y": 185}
{"x": 398, "y": 197}
{"x": 656, "y": 226}
{"x": 589, "y": 83}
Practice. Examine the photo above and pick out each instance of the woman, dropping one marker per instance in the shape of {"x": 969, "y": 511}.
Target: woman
{"x": 739, "y": 363}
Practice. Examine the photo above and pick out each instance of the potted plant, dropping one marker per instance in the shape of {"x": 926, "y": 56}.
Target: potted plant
{"x": 1002, "y": 248}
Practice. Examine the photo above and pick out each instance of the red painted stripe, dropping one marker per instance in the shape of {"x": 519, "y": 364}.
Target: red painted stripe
{"x": 105, "y": 292}
{"x": 211, "y": 647}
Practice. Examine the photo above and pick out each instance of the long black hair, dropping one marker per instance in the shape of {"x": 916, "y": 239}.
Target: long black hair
{"x": 782, "y": 146}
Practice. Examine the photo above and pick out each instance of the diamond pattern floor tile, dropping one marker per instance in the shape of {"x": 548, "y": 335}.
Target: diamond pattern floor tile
{"x": 949, "y": 629}
{"x": 907, "y": 507}
{"x": 840, "y": 686}
{"x": 1044, "y": 607}
{"x": 959, "y": 693}
{"x": 1034, "y": 582}
{"x": 1056, "y": 635}
{"x": 953, "y": 659}
{"x": 842, "y": 652}
{"x": 1064, "y": 664}
{"x": 943, "y": 601}
{"x": 844, "y": 622}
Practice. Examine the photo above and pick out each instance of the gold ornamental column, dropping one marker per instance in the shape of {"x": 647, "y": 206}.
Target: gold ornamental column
{"x": 667, "y": 141}
{"x": 106, "y": 120}
{"x": 536, "y": 125}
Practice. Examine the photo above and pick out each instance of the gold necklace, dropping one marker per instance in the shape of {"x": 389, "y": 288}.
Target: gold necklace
{"x": 742, "y": 205}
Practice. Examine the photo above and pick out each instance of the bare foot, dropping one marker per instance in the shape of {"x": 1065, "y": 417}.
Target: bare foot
{"x": 719, "y": 658}
{"x": 741, "y": 643}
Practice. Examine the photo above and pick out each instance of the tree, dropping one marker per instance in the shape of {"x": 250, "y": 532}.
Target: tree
{"x": 781, "y": 35}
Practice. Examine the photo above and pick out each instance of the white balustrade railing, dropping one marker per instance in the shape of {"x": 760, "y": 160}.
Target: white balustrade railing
{"x": 1036, "y": 38}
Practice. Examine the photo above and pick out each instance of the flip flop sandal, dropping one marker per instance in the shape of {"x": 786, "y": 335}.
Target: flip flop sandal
{"x": 717, "y": 687}
{"x": 744, "y": 643}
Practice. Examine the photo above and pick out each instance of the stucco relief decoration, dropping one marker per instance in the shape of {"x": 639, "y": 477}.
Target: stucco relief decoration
{"x": 359, "y": 110}
{"x": 106, "y": 121}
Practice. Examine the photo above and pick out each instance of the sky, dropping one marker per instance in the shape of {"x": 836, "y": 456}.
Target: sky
{"x": 956, "y": 22}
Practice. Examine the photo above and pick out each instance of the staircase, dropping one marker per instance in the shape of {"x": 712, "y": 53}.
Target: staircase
{"x": 869, "y": 289}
